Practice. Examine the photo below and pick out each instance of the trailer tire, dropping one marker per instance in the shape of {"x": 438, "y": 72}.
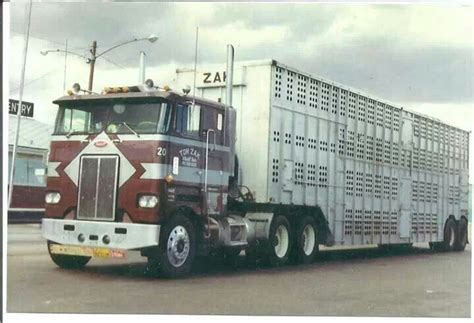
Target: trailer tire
{"x": 279, "y": 241}
{"x": 67, "y": 261}
{"x": 177, "y": 249}
{"x": 306, "y": 246}
{"x": 450, "y": 235}
{"x": 461, "y": 237}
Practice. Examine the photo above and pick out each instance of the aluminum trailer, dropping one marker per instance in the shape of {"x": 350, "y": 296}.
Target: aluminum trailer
{"x": 379, "y": 173}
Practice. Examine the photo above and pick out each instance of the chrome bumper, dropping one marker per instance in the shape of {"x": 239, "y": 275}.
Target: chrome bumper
{"x": 124, "y": 236}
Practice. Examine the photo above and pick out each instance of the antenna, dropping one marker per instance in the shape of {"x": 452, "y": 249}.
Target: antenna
{"x": 195, "y": 64}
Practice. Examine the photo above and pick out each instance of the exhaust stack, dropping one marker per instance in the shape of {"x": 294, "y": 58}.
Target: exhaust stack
{"x": 141, "y": 72}
{"x": 229, "y": 74}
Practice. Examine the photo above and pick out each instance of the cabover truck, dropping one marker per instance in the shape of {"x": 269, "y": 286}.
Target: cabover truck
{"x": 296, "y": 161}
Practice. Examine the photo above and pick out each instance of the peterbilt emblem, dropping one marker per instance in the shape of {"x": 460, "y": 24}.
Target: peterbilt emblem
{"x": 100, "y": 143}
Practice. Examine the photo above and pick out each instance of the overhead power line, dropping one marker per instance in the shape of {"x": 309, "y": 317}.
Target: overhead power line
{"x": 35, "y": 79}
{"x": 114, "y": 63}
{"x": 49, "y": 40}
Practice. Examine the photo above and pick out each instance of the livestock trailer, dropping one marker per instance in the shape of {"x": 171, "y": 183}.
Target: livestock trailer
{"x": 380, "y": 173}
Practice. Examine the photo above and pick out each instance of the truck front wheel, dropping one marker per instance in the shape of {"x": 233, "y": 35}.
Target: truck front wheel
{"x": 67, "y": 261}
{"x": 177, "y": 248}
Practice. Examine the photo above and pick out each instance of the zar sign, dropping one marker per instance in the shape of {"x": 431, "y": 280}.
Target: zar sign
{"x": 215, "y": 77}
{"x": 26, "y": 108}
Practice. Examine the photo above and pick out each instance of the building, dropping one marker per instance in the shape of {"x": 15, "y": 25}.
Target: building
{"x": 30, "y": 168}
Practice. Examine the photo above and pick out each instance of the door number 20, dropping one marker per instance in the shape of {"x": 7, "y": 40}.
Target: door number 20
{"x": 161, "y": 151}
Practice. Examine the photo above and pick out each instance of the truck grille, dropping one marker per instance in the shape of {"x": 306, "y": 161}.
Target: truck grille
{"x": 97, "y": 188}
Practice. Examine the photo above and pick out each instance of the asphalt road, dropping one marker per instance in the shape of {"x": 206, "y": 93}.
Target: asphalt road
{"x": 362, "y": 282}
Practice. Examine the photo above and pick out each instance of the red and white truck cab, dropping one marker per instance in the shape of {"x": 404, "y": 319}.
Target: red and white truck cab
{"x": 126, "y": 170}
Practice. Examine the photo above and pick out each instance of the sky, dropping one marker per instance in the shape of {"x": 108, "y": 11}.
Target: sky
{"x": 419, "y": 56}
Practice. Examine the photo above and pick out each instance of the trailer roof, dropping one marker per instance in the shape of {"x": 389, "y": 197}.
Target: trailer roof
{"x": 322, "y": 79}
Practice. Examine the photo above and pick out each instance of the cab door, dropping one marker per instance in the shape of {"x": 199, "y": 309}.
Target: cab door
{"x": 187, "y": 159}
{"x": 215, "y": 157}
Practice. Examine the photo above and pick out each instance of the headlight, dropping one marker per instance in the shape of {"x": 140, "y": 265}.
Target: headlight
{"x": 52, "y": 198}
{"x": 147, "y": 201}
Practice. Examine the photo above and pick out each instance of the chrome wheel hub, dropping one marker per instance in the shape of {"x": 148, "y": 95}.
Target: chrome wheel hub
{"x": 178, "y": 246}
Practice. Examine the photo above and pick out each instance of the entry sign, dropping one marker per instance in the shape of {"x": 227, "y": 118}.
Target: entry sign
{"x": 26, "y": 108}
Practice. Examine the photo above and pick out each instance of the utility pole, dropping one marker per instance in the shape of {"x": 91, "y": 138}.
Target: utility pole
{"x": 91, "y": 73}
{"x": 94, "y": 56}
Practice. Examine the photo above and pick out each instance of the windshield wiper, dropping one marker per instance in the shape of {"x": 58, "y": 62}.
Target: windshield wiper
{"x": 130, "y": 128}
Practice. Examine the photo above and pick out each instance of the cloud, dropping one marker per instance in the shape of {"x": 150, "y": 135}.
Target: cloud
{"x": 421, "y": 54}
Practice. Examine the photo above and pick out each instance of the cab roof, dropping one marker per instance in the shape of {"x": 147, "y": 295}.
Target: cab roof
{"x": 170, "y": 95}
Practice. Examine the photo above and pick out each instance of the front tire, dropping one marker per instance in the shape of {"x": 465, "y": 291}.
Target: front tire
{"x": 177, "y": 248}
{"x": 280, "y": 240}
{"x": 67, "y": 261}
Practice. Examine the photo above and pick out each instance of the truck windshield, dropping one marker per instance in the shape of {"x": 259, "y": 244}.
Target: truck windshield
{"x": 121, "y": 118}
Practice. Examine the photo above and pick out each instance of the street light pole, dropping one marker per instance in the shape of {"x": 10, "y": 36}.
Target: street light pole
{"x": 92, "y": 63}
{"x": 94, "y": 55}
{"x": 20, "y": 103}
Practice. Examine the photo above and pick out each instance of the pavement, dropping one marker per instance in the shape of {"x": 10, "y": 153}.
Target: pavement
{"x": 350, "y": 282}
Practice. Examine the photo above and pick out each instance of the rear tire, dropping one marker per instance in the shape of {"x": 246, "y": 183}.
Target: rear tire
{"x": 450, "y": 235}
{"x": 461, "y": 239}
{"x": 177, "y": 249}
{"x": 280, "y": 241}
{"x": 67, "y": 261}
{"x": 306, "y": 246}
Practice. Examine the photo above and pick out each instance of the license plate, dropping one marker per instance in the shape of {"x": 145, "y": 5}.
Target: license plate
{"x": 86, "y": 251}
